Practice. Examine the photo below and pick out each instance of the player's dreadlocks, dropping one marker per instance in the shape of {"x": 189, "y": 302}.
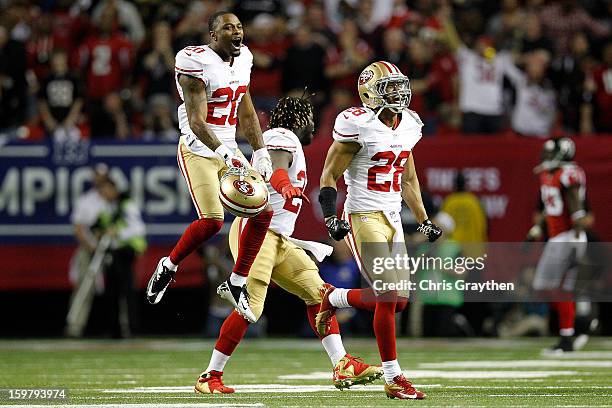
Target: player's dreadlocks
{"x": 291, "y": 113}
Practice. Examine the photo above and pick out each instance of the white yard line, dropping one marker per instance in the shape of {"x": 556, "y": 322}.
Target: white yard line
{"x": 321, "y": 375}
{"x": 520, "y": 364}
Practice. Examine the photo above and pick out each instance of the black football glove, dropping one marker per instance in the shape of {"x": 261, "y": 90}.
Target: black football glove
{"x": 430, "y": 230}
{"x": 337, "y": 228}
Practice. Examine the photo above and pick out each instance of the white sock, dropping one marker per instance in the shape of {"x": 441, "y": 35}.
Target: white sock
{"x": 391, "y": 370}
{"x": 338, "y": 298}
{"x": 237, "y": 280}
{"x": 217, "y": 361}
{"x": 566, "y": 332}
{"x": 168, "y": 264}
{"x": 332, "y": 344}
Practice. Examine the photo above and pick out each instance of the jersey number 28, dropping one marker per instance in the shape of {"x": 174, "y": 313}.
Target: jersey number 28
{"x": 394, "y": 164}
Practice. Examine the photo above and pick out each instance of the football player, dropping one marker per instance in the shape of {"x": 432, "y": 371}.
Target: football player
{"x": 283, "y": 259}
{"x": 373, "y": 148}
{"x": 562, "y": 193}
{"x": 213, "y": 82}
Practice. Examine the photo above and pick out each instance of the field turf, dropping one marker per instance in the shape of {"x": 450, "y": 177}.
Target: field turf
{"x": 296, "y": 373}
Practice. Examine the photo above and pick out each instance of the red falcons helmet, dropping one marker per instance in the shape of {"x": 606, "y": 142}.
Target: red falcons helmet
{"x": 243, "y": 192}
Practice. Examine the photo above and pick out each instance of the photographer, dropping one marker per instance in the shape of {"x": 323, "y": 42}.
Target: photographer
{"x": 124, "y": 224}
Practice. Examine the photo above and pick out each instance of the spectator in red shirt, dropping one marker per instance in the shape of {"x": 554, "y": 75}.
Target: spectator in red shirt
{"x": 106, "y": 60}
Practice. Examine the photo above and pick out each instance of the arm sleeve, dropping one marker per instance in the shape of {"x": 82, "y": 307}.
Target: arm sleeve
{"x": 277, "y": 139}
{"x": 186, "y": 63}
{"x": 346, "y": 129}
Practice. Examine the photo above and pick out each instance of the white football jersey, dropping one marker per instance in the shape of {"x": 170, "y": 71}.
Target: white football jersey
{"x": 226, "y": 83}
{"x": 374, "y": 176}
{"x": 286, "y": 211}
{"x": 481, "y": 82}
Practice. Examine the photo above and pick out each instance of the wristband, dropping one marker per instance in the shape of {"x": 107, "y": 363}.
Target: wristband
{"x": 261, "y": 152}
{"x": 224, "y": 152}
{"x": 578, "y": 215}
{"x": 327, "y": 199}
{"x": 280, "y": 179}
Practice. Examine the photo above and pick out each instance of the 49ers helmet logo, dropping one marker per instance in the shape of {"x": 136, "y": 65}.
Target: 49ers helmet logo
{"x": 244, "y": 187}
{"x": 366, "y": 76}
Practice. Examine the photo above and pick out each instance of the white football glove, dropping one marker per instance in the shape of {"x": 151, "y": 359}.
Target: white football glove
{"x": 230, "y": 158}
{"x": 262, "y": 163}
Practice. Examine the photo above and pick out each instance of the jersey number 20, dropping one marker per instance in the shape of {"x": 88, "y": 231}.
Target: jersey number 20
{"x": 230, "y": 97}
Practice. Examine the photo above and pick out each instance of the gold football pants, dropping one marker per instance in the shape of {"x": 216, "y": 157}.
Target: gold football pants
{"x": 281, "y": 261}
{"x": 371, "y": 241}
{"x": 202, "y": 175}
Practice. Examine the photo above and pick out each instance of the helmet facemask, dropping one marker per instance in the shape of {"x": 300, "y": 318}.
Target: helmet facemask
{"x": 396, "y": 99}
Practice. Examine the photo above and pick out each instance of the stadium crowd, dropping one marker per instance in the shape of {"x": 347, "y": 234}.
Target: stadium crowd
{"x": 105, "y": 68}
